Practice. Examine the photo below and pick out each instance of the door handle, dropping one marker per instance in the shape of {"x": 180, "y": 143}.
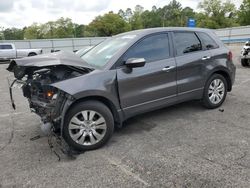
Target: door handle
{"x": 167, "y": 69}
{"x": 205, "y": 58}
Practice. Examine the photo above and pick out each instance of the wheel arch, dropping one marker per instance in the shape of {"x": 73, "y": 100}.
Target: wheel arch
{"x": 226, "y": 75}
{"x": 32, "y": 54}
{"x": 117, "y": 116}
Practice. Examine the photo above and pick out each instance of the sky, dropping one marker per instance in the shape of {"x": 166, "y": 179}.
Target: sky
{"x": 20, "y": 13}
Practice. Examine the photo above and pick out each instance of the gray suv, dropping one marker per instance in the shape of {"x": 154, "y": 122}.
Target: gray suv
{"x": 83, "y": 98}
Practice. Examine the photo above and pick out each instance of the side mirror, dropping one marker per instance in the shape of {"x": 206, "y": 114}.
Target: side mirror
{"x": 135, "y": 62}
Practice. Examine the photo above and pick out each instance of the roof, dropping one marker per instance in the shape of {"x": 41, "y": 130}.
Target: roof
{"x": 161, "y": 29}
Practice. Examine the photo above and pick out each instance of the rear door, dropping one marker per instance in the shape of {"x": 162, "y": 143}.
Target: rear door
{"x": 191, "y": 61}
{"x": 153, "y": 85}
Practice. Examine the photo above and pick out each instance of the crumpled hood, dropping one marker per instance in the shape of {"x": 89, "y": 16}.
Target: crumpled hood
{"x": 51, "y": 59}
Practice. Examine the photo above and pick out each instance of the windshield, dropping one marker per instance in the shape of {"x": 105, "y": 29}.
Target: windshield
{"x": 102, "y": 53}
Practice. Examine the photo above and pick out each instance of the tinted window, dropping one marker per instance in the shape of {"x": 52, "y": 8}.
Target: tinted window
{"x": 186, "y": 42}
{"x": 5, "y": 46}
{"x": 208, "y": 42}
{"x": 152, "y": 48}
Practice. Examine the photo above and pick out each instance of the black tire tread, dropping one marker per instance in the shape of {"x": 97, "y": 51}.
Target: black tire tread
{"x": 89, "y": 105}
{"x": 205, "y": 100}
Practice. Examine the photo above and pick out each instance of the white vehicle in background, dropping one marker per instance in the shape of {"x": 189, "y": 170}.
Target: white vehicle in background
{"x": 9, "y": 51}
{"x": 245, "y": 54}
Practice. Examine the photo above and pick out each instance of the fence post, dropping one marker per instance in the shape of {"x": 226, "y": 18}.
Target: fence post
{"x": 73, "y": 44}
{"x": 229, "y": 37}
{"x": 52, "y": 44}
{"x": 30, "y": 44}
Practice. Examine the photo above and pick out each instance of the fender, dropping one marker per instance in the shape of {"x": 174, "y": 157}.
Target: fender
{"x": 86, "y": 86}
{"x": 103, "y": 86}
{"x": 223, "y": 70}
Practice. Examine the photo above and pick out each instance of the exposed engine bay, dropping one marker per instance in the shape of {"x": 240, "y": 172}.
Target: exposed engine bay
{"x": 44, "y": 99}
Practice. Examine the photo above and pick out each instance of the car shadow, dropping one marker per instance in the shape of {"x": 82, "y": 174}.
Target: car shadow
{"x": 139, "y": 123}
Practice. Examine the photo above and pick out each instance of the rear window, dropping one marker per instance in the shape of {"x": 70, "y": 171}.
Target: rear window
{"x": 5, "y": 46}
{"x": 208, "y": 42}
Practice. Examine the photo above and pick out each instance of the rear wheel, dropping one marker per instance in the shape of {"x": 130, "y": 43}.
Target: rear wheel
{"x": 244, "y": 62}
{"x": 215, "y": 91}
{"x": 88, "y": 125}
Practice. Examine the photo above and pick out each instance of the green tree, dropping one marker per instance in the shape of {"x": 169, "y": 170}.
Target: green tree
{"x": 128, "y": 15}
{"x": 171, "y": 14}
{"x": 48, "y": 30}
{"x": 151, "y": 18}
{"x": 78, "y": 30}
{"x": 13, "y": 34}
{"x": 186, "y": 13}
{"x": 61, "y": 28}
{"x": 136, "y": 19}
{"x": 33, "y": 32}
{"x": 64, "y": 28}
{"x": 107, "y": 25}
{"x": 122, "y": 14}
{"x": 244, "y": 13}
{"x": 218, "y": 14}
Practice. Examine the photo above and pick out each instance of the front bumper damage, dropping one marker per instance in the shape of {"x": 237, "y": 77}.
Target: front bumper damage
{"x": 51, "y": 112}
{"x": 52, "y": 120}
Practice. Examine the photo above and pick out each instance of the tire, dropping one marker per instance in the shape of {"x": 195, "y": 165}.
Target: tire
{"x": 32, "y": 54}
{"x": 96, "y": 125}
{"x": 213, "y": 97}
{"x": 244, "y": 62}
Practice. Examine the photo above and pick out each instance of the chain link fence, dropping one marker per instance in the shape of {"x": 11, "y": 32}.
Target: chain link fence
{"x": 235, "y": 36}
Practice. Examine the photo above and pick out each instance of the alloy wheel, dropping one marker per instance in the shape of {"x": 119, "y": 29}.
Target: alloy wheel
{"x": 216, "y": 91}
{"x": 87, "y": 127}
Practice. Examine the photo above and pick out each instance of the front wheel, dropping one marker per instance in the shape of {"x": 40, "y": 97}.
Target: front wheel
{"x": 215, "y": 91}
{"x": 88, "y": 125}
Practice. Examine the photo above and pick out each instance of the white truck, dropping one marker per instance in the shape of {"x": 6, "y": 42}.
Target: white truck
{"x": 9, "y": 51}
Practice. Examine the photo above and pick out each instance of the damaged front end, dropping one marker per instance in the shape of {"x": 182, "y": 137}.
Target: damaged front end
{"x": 36, "y": 81}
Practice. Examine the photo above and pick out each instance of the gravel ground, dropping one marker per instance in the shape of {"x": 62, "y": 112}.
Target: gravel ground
{"x": 181, "y": 146}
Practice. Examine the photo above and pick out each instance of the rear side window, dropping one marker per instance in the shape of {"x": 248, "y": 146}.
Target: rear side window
{"x": 5, "y": 47}
{"x": 151, "y": 48}
{"x": 186, "y": 42}
{"x": 208, "y": 42}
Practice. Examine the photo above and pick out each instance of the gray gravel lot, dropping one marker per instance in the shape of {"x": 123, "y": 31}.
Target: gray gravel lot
{"x": 181, "y": 146}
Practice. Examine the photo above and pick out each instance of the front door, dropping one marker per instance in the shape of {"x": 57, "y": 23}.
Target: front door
{"x": 152, "y": 86}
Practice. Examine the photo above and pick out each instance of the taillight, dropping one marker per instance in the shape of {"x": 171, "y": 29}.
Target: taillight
{"x": 230, "y": 56}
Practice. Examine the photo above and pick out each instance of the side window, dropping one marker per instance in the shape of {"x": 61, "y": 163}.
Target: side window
{"x": 208, "y": 42}
{"x": 8, "y": 47}
{"x": 152, "y": 48}
{"x": 186, "y": 42}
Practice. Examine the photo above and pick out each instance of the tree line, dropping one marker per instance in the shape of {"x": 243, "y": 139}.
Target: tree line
{"x": 212, "y": 14}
